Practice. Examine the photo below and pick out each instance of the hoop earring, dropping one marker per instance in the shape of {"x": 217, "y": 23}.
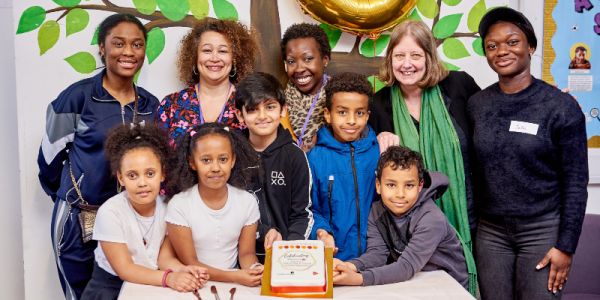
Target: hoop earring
{"x": 234, "y": 72}
{"x": 194, "y": 70}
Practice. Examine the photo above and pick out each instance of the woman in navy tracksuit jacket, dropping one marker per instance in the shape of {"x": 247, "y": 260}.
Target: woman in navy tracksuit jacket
{"x": 72, "y": 148}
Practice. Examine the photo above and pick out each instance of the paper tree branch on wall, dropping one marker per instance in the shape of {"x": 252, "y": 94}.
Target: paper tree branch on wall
{"x": 265, "y": 16}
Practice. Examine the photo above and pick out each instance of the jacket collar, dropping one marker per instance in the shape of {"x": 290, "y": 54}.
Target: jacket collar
{"x": 100, "y": 94}
{"x": 367, "y": 141}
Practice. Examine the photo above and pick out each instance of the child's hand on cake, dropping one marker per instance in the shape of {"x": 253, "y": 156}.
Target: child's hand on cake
{"x": 344, "y": 275}
{"x": 327, "y": 239}
{"x": 248, "y": 277}
{"x": 272, "y": 236}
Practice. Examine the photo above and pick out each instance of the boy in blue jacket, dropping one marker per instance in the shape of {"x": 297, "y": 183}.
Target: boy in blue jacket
{"x": 343, "y": 164}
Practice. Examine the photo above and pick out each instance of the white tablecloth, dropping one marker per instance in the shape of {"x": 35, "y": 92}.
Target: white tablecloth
{"x": 425, "y": 285}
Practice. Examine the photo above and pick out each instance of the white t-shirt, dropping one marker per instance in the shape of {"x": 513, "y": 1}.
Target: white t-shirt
{"x": 118, "y": 222}
{"x": 215, "y": 232}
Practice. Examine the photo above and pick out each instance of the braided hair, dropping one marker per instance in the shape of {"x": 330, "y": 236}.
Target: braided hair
{"x": 245, "y": 169}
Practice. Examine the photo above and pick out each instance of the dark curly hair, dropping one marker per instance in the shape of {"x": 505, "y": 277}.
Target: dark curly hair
{"x": 400, "y": 157}
{"x": 243, "y": 42}
{"x": 123, "y": 139}
{"x": 113, "y": 21}
{"x": 256, "y": 88}
{"x": 247, "y": 162}
{"x": 306, "y": 30}
{"x": 347, "y": 82}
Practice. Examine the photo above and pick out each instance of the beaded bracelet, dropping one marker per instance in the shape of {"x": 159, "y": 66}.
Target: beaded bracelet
{"x": 164, "y": 279}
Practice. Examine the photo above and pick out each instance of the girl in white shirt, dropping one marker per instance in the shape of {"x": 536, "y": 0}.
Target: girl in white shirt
{"x": 212, "y": 222}
{"x": 130, "y": 226}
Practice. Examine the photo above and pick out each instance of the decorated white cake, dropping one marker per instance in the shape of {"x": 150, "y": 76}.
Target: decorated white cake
{"x": 298, "y": 266}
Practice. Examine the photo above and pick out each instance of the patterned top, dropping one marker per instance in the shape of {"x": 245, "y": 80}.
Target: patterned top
{"x": 298, "y": 105}
{"x": 179, "y": 112}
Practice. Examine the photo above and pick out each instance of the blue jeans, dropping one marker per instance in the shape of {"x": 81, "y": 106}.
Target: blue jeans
{"x": 507, "y": 250}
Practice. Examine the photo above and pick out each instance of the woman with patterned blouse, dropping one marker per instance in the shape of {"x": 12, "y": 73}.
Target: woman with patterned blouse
{"x": 213, "y": 57}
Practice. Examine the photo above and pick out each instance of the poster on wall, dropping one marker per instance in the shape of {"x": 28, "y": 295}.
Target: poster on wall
{"x": 572, "y": 60}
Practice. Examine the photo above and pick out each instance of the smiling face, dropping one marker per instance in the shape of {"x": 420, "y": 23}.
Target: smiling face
{"x": 263, "y": 120}
{"x": 348, "y": 115}
{"x": 212, "y": 159}
{"x": 123, "y": 50}
{"x": 399, "y": 188}
{"x": 215, "y": 57}
{"x": 141, "y": 174}
{"x": 507, "y": 51}
{"x": 408, "y": 62}
{"x": 304, "y": 64}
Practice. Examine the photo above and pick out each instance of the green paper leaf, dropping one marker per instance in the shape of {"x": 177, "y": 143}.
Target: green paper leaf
{"x": 67, "y": 3}
{"x": 333, "y": 34}
{"x": 146, "y": 7}
{"x": 83, "y": 62}
{"x": 137, "y": 76}
{"x": 428, "y": 8}
{"x": 478, "y": 46}
{"x": 451, "y": 2}
{"x": 454, "y": 49}
{"x": 155, "y": 44}
{"x": 450, "y": 66}
{"x": 370, "y": 49}
{"x": 375, "y": 83}
{"x": 174, "y": 10}
{"x": 475, "y": 15}
{"x": 199, "y": 8}
{"x": 446, "y": 26}
{"x": 95, "y": 37}
{"x": 225, "y": 10}
{"x": 414, "y": 15}
{"x": 48, "y": 35}
{"x": 31, "y": 19}
{"x": 77, "y": 20}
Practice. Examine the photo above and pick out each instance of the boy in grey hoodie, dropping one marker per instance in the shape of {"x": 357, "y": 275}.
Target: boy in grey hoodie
{"x": 407, "y": 232}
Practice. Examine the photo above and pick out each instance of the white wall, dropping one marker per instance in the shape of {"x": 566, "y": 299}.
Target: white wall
{"x": 11, "y": 251}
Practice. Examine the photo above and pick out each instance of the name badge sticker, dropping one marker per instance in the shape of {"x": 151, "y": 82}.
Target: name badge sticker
{"x": 524, "y": 127}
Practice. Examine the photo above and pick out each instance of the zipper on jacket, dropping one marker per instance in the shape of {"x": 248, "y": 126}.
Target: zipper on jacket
{"x": 123, "y": 114}
{"x": 329, "y": 191}
{"x": 357, "y": 198}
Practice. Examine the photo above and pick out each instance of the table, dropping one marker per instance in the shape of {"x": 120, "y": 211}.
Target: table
{"x": 425, "y": 286}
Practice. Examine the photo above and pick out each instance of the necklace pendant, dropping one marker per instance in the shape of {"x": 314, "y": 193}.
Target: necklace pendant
{"x": 145, "y": 242}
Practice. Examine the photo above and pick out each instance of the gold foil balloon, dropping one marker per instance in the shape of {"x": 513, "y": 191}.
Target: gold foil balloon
{"x": 360, "y": 17}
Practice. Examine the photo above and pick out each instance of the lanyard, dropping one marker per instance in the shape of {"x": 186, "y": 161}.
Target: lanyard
{"x": 201, "y": 116}
{"x": 310, "y": 111}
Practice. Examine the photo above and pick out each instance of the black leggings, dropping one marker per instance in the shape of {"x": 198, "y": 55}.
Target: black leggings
{"x": 102, "y": 286}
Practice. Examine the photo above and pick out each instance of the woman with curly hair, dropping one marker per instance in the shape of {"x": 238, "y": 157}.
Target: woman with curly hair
{"x": 213, "y": 57}
{"x": 306, "y": 52}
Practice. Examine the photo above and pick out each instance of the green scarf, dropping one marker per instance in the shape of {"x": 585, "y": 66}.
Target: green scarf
{"x": 438, "y": 144}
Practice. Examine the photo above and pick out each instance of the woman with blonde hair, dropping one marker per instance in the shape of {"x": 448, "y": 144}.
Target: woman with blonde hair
{"x": 423, "y": 108}
{"x": 213, "y": 56}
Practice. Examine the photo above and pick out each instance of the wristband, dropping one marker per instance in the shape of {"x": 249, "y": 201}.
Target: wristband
{"x": 164, "y": 279}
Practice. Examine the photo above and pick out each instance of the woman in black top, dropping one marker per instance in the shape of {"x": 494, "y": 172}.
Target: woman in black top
{"x": 531, "y": 169}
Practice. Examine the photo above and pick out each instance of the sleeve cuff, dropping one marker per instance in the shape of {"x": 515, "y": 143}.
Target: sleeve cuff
{"x": 359, "y": 265}
{"x": 368, "y": 278}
